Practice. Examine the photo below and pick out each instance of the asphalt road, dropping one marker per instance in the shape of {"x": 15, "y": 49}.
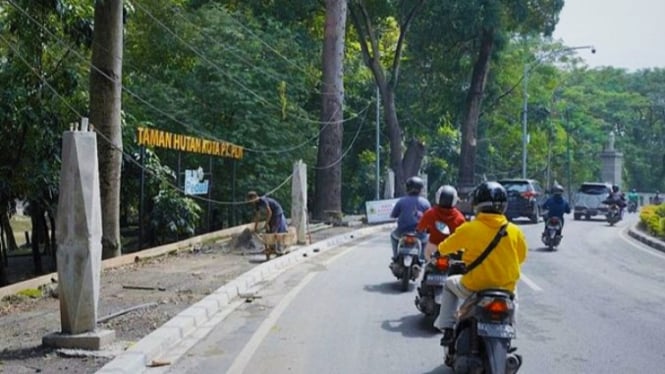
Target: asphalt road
{"x": 593, "y": 306}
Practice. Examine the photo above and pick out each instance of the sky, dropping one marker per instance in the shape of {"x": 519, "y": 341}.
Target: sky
{"x": 626, "y": 34}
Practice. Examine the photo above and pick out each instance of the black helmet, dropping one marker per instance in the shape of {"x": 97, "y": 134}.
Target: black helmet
{"x": 446, "y": 196}
{"x": 414, "y": 185}
{"x": 557, "y": 189}
{"x": 490, "y": 197}
{"x": 615, "y": 188}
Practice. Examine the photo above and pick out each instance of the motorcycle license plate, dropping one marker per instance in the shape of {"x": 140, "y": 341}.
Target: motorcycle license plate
{"x": 435, "y": 279}
{"x": 493, "y": 330}
{"x": 407, "y": 261}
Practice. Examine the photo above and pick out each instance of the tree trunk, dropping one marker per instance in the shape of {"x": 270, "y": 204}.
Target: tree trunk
{"x": 35, "y": 211}
{"x": 105, "y": 105}
{"x": 413, "y": 158}
{"x": 328, "y": 185}
{"x": 473, "y": 104}
{"x": 369, "y": 44}
{"x": 9, "y": 234}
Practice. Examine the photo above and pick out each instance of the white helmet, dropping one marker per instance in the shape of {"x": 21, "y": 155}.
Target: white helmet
{"x": 446, "y": 196}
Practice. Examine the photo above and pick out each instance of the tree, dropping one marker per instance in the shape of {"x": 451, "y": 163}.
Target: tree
{"x": 496, "y": 20}
{"x": 105, "y": 112}
{"x": 328, "y": 188}
{"x": 369, "y": 37}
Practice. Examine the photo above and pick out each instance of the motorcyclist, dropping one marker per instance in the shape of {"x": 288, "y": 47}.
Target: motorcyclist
{"x": 408, "y": 211}
{"x": 441, "y": 219}
{"x": 633, "y": 198}
{"x": 556, "y": 206}
{"x": 618, "y": 198}
{"x": 499, "y": 270}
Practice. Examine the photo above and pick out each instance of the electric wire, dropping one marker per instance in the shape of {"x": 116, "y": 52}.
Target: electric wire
{"x": 167, "y": 115}
{"x": 218, "y": 68}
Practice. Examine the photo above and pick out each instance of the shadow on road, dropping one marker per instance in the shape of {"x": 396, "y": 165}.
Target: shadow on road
{"x": 386, "y": 288}
{"x": 441, "y": 369}
{"x": 413, "y": 326}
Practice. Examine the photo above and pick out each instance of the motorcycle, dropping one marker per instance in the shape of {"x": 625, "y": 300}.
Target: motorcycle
{"x": 632, "y": 207}
{"x": 551, "y": 237}
{"x": 483, "y": 334}
{"x": 613, "y": 214}
{"x": 407, "y": 264}
{"x": 428, "y": 300}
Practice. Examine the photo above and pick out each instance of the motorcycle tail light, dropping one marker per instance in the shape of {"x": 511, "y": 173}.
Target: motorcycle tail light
{"x": 409, "y": 240}
{"x": 554, "y": 221}
{"x": 497, "y": 308}
{"x": 442, "y": 263}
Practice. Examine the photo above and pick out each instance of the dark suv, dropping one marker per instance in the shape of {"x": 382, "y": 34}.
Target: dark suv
{"x": 525, "y": 197}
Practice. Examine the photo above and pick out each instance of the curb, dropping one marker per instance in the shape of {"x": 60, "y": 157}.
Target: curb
{"x": 646, "y": 239}
{"x": 137, "y": 358}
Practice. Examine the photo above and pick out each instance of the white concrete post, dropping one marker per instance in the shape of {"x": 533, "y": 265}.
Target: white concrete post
{"x": 299, "y": 200}
{"x": 389, "y": 191}
{"x": 79, "y": 239}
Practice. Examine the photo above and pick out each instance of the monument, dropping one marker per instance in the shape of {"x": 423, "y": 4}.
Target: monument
{"x": 612, "y": 162}
{"x": 79, "y": 239}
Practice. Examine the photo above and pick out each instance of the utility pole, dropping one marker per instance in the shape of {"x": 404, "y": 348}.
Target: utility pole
{"x": 378, "y": 146}
{"x": 525, "y": 108}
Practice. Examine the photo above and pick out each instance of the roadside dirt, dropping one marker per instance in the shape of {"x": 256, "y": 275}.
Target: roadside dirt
{"x": 162, "y": 286}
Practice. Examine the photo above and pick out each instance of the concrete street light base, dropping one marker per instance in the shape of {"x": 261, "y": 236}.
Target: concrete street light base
{"x": 94, "y": 340}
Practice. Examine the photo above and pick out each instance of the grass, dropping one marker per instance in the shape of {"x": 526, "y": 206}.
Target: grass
{"x": 20, "y": 224}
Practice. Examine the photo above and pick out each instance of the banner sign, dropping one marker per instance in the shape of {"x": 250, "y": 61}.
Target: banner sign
{"x": 378, "y": 211}
{"x": 194, "y": 183}
{"x": 150, "y": 137}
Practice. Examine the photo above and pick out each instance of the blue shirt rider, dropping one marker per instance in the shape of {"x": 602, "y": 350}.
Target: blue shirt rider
{"x": 556, "y": 206}
{"x": 408, "y": 211}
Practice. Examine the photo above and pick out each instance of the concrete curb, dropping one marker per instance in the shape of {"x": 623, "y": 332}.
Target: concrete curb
{"x": 646, "y": 239}
{"x": 137, "y": 357}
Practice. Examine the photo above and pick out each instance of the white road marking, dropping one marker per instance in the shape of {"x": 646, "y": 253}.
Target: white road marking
{"x": 531, "y": 284}
{"x": 243, "y": 358}
{"x": 638, "y": 245}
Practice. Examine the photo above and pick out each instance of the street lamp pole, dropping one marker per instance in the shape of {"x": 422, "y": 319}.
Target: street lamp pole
{"x": 525, "y": 108}
{"x": 525, "y": 105}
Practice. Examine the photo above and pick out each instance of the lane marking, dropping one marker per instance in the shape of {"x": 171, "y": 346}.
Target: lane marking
{"x": 240, "y": 363}
{"x": 639, "y": 245}
{"x": 531, "y": 284}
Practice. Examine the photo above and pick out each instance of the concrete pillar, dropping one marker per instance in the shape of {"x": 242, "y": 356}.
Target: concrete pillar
{"x": 299, "y": 201}
{"x": 79, "y": 239}
{"x": 389, "y": 190}
{"x": 611, "y": 163}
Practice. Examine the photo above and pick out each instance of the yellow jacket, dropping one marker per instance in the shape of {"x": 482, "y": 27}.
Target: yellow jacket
{"x": 501, "y": 269}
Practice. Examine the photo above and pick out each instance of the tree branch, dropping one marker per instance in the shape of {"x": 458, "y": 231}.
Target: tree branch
{"x": 394, "y": 73}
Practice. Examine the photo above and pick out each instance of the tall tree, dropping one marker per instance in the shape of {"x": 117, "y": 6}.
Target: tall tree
{"x": 497, "y": 20}
{"x": 105, "y": 107}
{"x": 369, "y": 37}
{"x": 328, "y": 187}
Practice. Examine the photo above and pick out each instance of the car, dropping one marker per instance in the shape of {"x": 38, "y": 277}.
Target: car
{"x": 525, "y": 198}
{"x": 589, "y": 200}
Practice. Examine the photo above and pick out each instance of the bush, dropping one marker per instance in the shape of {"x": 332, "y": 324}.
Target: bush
{"x": 652, "y": 219}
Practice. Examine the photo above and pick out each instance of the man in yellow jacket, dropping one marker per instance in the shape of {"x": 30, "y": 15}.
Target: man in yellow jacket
{"x": 500, "y": 269}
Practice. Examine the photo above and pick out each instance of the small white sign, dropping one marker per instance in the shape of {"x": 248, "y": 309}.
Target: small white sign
{"x": 378, "y": 211}
{"x": 194, "y": 185}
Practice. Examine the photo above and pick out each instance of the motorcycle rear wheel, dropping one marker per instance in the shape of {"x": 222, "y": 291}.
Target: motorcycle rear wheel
{"x": 406, "y": 277}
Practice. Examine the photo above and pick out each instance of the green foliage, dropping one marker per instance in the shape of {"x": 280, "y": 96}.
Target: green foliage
{"x": 652, "y": 219}
{"x": 174, "y": 215}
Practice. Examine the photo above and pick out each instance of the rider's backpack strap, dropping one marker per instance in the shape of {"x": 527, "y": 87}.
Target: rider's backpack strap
{"x": 500, "y": 234}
